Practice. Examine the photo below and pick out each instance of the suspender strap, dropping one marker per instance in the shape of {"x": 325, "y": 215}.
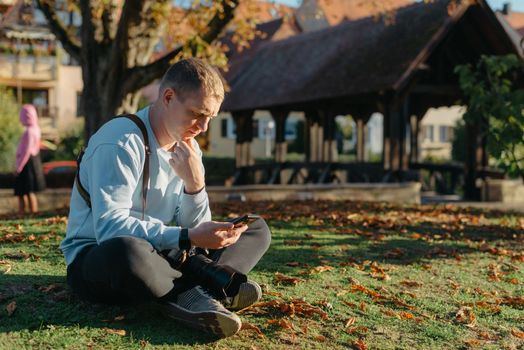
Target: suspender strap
{"x": 145, "y": 172}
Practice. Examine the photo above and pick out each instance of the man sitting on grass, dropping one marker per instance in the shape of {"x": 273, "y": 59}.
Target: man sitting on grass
{"x": 129, "y": 189}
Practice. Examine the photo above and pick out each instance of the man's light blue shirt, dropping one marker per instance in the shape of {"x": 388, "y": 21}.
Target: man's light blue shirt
{"x": 111, "y": 172}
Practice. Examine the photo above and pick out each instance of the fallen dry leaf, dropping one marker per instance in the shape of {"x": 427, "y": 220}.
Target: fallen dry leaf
{"x": 283, "y": 323}
{"x": 120, "y": 332}
{"x": 350, "y": 322}
{"x": 51, "y": 287}
{"x": 517, "y": 334}
{"x": 322, "y": 268}
{"x": 472, "y": 342}
{"x": 7, "y": 265}
{"x": 250, "y": 326}
{"x": 320, "y": 338}
{"x": 465, "y": 315}
{"x": 405, "y": 316}
{"x": 359, "y": 344}
{"x": 281, "y": 278}
{"x": 11, "y": 308}
{"x": 410, "y": 283}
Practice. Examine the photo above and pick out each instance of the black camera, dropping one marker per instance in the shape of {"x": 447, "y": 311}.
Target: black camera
{"x": 221, "y": 280}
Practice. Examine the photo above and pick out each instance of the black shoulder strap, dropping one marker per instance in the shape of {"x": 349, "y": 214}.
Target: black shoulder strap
{"x": 145, "y": 179}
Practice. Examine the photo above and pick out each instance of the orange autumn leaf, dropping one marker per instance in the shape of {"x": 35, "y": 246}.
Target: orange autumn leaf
{"x": 285, "y": 324}
{"x": 395, "y": 253}
{"x": 360, "y": 345}
{"x": 512, "y": 301}
{"x": 405, "y": 315}
{"x": 350, "y": 322}
{"x": 410, "y": 283}
{"x": 51, "y": 287}
{"x": 120, "y": 332}
{"x": 362, "y": 289}
{"x": 281, "y": 278}
{"x": 272, "y": 293}
{"x": 320, "y": 338}
{"x": 362, "y": 306}
{"x": 322, "y": 268}
{"x": 350, "y": 304}
{"x": 250, "y": 326}
{"x": 465, "y": 315}
{"x": 11, "y": 308}
{"x": 389, "y": 312}
{"x": 359, "y": 329}
{"x": 517, "y": 334}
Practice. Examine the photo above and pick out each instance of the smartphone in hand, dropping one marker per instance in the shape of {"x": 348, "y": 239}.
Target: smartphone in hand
{"x": 244, "y": 220}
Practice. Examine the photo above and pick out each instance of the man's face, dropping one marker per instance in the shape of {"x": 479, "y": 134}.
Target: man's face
{"x": 186, "y": 118}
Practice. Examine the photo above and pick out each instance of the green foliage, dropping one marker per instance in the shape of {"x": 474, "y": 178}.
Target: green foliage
{"x": 10, "y": 131}
{"x": 458, "y": 145}
{"x": 492, "y": 98}
{"x": 71, "y": 143}
{"x": 218, "y": 169}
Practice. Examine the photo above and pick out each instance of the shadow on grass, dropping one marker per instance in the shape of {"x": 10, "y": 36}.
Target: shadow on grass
{"x": 317, "y": 245}
{"x": 38, "y": 308}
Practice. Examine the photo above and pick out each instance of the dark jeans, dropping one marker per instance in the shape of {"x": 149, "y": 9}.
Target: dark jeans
{"x": 128, "y": 269}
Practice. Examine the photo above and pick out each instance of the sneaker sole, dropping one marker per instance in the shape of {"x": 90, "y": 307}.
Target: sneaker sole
{"x": 219, "y": 324}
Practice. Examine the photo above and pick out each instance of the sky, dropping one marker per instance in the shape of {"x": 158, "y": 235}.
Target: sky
{"x": 517, "y": 5}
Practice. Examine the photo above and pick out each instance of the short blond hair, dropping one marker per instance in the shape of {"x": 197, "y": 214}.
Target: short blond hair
{"x": 189, "y": 76}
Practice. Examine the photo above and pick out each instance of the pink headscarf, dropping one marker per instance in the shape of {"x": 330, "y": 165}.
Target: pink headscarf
{"x": 29, "y": 144}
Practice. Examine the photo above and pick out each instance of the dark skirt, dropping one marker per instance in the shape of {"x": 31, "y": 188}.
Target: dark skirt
{"x": 31, "y": 179}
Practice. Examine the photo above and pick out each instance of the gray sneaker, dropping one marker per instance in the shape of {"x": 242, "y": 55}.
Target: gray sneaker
{"x": 198, "y": 309}
{"x": 249, "y": 293}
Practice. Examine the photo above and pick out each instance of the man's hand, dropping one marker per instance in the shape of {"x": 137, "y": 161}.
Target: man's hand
{"x": 187, "y": 164}
{"x": 215, "y": 235}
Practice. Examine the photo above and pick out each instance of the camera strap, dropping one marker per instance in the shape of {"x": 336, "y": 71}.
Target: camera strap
{"x": 145, "y": 179}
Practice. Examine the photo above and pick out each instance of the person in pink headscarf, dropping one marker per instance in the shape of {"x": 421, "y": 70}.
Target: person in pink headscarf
{"x": 30, "y": 177}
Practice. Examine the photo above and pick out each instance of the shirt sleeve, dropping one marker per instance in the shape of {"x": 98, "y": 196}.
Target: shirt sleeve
{"x": 113, "y": 177}
{"x": 193, "y": 209}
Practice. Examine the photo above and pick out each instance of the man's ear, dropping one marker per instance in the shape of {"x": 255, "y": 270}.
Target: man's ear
{"x": 167, "y": 96}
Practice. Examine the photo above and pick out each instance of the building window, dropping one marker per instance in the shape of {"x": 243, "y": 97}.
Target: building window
{"x": 429, "y": 133}
{"x": 443, "y": 134}
{"x": 227, "y": 128}
{"x": 223, "y": 128}
{"x": 255, "y": 127}
{"x": 291, "y": 129}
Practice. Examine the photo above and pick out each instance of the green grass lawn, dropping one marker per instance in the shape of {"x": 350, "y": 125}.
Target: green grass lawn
{"x": 337, "y": 275}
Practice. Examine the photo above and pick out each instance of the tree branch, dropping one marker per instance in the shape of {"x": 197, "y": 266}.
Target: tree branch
{"x": 59, "y": 30}
{"x": 143, "y": 75}
{"x": 120, "y": 46}
{"x": 106, "y": 26}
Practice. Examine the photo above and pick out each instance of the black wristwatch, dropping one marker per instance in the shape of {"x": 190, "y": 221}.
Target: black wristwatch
{"x": 183, "y": 241}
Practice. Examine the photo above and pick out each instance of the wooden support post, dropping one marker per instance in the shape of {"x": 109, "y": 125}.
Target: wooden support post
{"x": 476, "y": 159}
{"x": 414, "y": 125}
{"x": 361, "y": 140}
{"x": 386, "y": 148}
{"x": 280, "y": 117}
{"x": 329, "y": 147}
{"x": 244, "y": 137}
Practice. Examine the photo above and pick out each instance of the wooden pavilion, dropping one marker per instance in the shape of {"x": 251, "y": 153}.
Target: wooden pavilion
{"x": 400, "y": 69}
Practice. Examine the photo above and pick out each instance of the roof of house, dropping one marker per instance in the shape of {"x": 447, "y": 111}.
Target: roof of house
{"x": 355, "y": 57}
{"x": 516, "y": 20}
{"x": 337, "y": 11}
